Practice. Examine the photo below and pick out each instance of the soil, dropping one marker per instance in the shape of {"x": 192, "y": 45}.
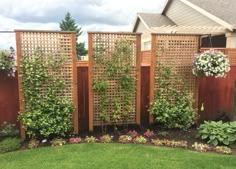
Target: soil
{"x": 160, "y": 133}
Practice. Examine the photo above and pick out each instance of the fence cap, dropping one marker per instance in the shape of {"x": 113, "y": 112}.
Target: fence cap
{"x": 43, "y": 31}
{"x": 123, "y": 33}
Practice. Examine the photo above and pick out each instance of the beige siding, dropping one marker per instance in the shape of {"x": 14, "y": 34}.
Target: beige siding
{"x": 182, "y": 14}
{"x": 141, "y": 27}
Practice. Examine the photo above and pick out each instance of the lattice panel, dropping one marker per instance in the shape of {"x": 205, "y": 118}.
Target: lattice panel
{"x": 108, "y": 41}
{"x": 177, "y": 52}
{"x": 52, "y": 45}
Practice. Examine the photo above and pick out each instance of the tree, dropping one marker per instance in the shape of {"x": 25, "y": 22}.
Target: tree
{"x": 68, "y": 24}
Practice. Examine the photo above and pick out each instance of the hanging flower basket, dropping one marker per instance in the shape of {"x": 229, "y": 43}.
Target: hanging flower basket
{"x": 211, "y": 63}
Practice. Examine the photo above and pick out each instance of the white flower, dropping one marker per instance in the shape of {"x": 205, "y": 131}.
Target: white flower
{"x": 211, "y": 63}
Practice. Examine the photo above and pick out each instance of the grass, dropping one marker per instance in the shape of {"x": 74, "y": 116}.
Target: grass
{"x": 113, "y": 156}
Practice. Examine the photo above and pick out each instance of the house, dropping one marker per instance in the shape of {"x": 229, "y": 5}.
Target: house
{"x": 215, "y": 20}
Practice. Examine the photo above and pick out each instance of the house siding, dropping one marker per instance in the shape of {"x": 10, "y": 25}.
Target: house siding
{"x": 182, "y": 14}
{"x": 141, "y": 27}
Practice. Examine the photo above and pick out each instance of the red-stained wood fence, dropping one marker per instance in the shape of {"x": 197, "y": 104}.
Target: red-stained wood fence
{"x": 9, "y": 102}
{"x": 217, "y": 94}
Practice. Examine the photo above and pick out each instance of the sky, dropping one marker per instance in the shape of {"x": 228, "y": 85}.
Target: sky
{"x": 91, "y": 15}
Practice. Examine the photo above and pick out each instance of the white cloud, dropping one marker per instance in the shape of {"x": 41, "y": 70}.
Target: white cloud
{"x": 91, "y": 15}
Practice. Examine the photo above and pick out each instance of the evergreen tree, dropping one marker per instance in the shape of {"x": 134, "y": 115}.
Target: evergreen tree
{"x": 68, "y": 24}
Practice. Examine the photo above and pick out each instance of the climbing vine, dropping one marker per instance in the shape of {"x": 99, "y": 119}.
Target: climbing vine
{"x": 117, "y": 68}
{"x": 47, "y": 114}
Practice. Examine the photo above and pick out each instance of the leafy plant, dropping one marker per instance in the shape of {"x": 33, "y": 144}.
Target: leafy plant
{"x": 163, "y": 133}
{"x": 106, "y": 138}
{"x": 148, "y": 133}
{"x": 8, "y": 129}
{"x": 132, "y": 134}
{"x": 90, "y": 139}
{"x": 201, "y": 147}
{"x": 173, "y": 107}
{"x": 140, "y": 140}
{"x": 47, "y": 113}
{"x": 33, "y": 143}
{"x": 223, "y": 150}
{"x": 8, "y": 62}
{"x": 216, "y": 133}
{"x": 118, "y": 70}
{"x": 10, "y": 144}
{"x": 75, "y": 140}
{"x": 125, "y": 139}
{"x": 170, "y": 143}
{"x": 57, "y": 142}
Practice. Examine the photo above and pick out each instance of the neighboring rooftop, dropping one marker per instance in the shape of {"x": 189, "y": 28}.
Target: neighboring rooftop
{"x": 223, "y": 9}
{"x": 154, "y": 20}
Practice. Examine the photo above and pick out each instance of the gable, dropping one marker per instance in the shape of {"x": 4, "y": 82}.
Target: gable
{"x": 140, "y": 27}
{"x": 182, "y": 14}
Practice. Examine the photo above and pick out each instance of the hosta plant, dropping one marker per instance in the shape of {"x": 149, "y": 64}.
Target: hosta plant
{"x": 75, "y": 140}
{"x": 106, "y": 138}
{"x": 90, "y": 139}
{"x": 223, "y": 150}
{"x": 33, "y": 143}
{"x": 211, "y": 63}
{"x": 201, "y": 147}
{"x": 125, "y": 139}
{"x": 57, "y": 142}
{"x": 140, "y": 140}
{"x": 217, "y": 133}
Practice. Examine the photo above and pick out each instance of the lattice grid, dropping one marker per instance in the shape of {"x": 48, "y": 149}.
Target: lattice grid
{"x": 177, "y": 52}
{"x": 108, "y": 41}
{"x": 51, "y": 44}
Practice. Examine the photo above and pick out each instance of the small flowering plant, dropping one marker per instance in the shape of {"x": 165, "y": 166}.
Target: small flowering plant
{"x": 8, "y": 62}
{"x": 149, "y": 133}
{"x": 170, "y": 143}
{"x": 211, "y": 63}
{"x": 223, "y": 150}
{"x": 132, "y": 134}
{"x": 140, "y": 140}
{"x": 75, "y": 140}
{"x": 125, "y": 139}
{"x": 106, "y": 138}
{"x": 57, "y": 142}
{"x": 90, "y": 139}
{"x": 33, "y": 143}
{"x": 201, "y": 147}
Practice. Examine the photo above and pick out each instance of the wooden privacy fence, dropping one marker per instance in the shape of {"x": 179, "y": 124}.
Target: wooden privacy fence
{"x": 176, "y": 52}
{"x": 218, "y": 94}
{"x": 103, "y": 48}
{"x": 50, "y": 43}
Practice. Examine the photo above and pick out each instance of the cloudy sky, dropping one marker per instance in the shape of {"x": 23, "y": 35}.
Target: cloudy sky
{"x": 91, "y": 15}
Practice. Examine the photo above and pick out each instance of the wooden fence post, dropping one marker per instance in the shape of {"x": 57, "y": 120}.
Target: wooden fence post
{"x": 152, "y": 75}
{"x": 90, "y": 54}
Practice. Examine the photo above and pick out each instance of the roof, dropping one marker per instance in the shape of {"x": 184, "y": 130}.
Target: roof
{"x": 221, "y": 11}
{"x": 153, "y": 20}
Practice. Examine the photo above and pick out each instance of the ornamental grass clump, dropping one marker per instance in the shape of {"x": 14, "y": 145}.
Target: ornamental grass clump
{"x": 211, "y": 63}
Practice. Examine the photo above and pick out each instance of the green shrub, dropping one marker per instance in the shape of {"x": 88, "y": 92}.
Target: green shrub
{"x": 47, "y": 112}
{"x": 217, "y": 133}
{"x": 53, "y": 119}
{"x": 10, "y": 144}
{"x": 173, "y": 107}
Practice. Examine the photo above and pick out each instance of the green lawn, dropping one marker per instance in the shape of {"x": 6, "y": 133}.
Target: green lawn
{"x": 113, "y": 156}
